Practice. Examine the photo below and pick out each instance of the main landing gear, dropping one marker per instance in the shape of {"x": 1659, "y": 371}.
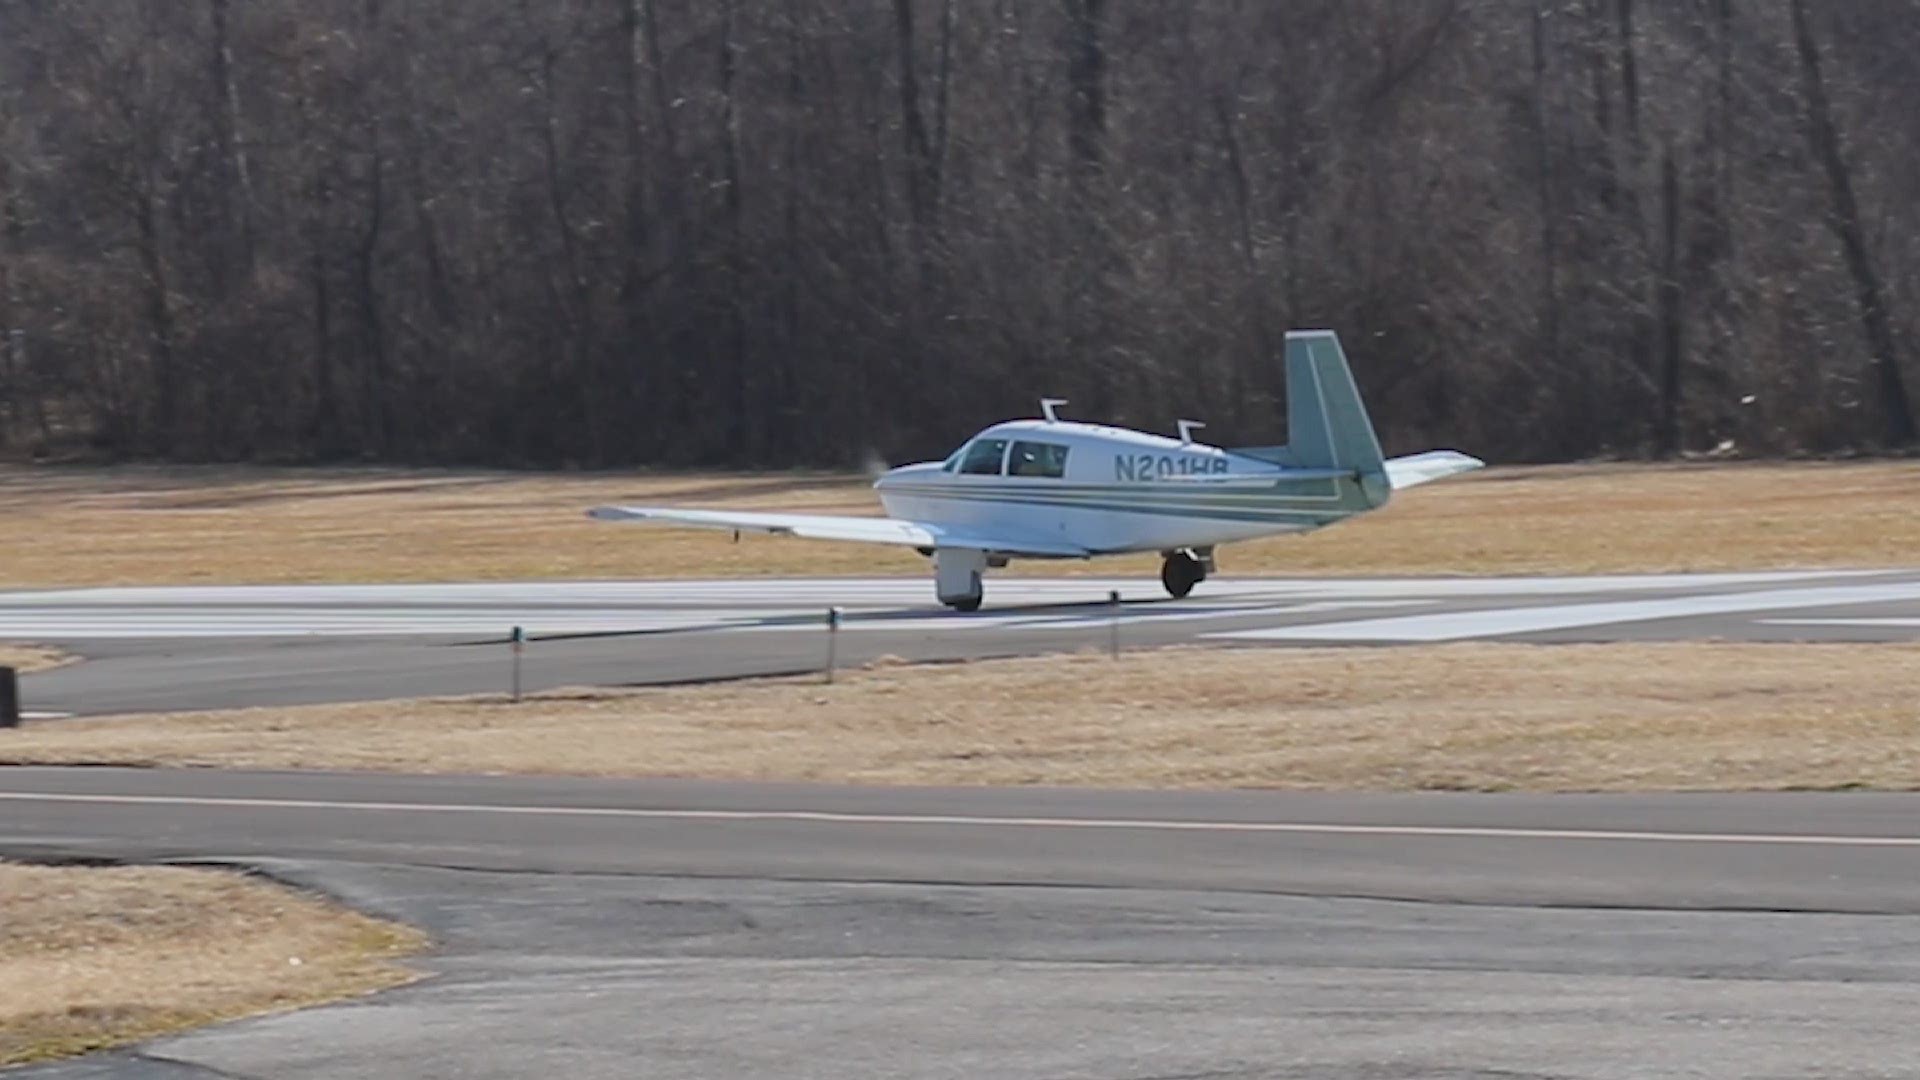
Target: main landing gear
{"x": 957, "y": 577}
{"x": 1184, "y": 569}
{"x": 959, "y": 573}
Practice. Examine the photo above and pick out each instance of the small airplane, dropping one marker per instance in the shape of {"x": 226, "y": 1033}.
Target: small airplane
{"x": 1057, "y": 489}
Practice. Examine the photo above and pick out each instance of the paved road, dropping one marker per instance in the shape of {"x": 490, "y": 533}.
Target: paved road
{"x": 182, "y": 648}
{"x": 1856, "y": 853}
{"x": 614, "y": 929}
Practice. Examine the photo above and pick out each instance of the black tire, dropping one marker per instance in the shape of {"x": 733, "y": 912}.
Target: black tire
{"x": 1180, "y": 573}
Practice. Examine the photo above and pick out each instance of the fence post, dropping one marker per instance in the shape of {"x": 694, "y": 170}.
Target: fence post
{"x": 519, "y": 640}
{"x": 9, "y": 698}
{"x": 1113, "y": 623}
{"x": 833, "y": 641}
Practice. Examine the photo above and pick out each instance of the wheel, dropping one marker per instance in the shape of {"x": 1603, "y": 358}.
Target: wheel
{"x": 969, "y": 601}
{"x": 1180, "y": 573}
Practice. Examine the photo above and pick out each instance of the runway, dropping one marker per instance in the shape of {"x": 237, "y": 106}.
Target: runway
{"x": 613, "y": 928}
{"x": 184, "y": 648}
{"x": 608, "y": 929}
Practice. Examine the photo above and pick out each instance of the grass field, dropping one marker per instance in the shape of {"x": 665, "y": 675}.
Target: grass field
{"x": 1469, "y": 716}
{"x": 30, "y": 658}
{"x": 96, "y": 957}
{"x": 185, "y": 525}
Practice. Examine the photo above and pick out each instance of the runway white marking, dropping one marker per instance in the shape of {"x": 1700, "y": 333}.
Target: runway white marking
{"x": 1146, "y": 824}
{"x": 490, "y": 609}
{"x": 1177, "y": 614}
{"x": 908, "y": 590}
{"x": 1500, "y": 622}
{"x": 44, "y": 715}
{"x": 111, "y": 623}
{"x": 1894, "y": 623}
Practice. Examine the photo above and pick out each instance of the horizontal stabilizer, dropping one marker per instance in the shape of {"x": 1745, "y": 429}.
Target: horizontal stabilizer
{"x": 1416, "y": 469}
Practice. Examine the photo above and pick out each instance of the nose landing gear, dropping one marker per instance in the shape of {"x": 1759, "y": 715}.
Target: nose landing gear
{"x": 1182, "y": 570}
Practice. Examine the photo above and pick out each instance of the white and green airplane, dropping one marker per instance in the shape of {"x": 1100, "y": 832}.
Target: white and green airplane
{"x": 1057, "y": 489}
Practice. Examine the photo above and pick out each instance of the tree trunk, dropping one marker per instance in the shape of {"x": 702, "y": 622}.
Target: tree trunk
{"x": 1607, "y": 175}
{"x": 1667, "y": 435}
{"x": 233, "y": 140}
{"x": 663, "y": 103}
{"x": 1629, "y": 80}
{"x": 943, "y": 94}
{"x": 13, "y": 366}
{"x": 630, "y": 359}
{"x": 374, "y": 374}
{"x": 1087, "y": 88}
{"x": 743, "y": 429}
{"x": 160, "y": 331}
{"x": 1823, "y": 137}
{"x": 1544, "y": 183}
{"x": 323, "y": 426}
{"x": 575, "y": 311}
{"x": 790, "y": 401}
{"x": 922, "y": 176}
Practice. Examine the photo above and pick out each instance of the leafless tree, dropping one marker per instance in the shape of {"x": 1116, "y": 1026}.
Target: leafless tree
{"x": 682, "y": 232}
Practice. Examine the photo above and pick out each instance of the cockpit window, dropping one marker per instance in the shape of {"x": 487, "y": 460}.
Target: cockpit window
{"x": 1038, "y": 459}
{"x": 984, "y": 457}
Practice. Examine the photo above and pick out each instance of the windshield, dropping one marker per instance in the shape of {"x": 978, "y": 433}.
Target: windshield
{"x": 984, "y": 456}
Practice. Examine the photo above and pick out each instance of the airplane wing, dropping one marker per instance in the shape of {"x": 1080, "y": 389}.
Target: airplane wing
{"x": 1416, "y": 469}
{"x": 865, "y": 530}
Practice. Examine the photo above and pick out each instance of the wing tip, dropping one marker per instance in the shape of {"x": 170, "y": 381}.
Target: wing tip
{"x": 614, "y": 513}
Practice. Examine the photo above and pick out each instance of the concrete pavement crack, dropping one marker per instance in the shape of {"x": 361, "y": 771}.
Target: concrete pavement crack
{"x": 178, "y": 1063}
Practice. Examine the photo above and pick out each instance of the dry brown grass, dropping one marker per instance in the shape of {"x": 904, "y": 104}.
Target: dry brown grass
{"x": 1479, "y": 716}
{"x": 148, "y": 525}
{"x": 30, "y": 658}
{"x": 98, "y": 957}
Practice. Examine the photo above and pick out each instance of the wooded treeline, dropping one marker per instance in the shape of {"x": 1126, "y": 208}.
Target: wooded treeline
{"x": 783, "y": 232}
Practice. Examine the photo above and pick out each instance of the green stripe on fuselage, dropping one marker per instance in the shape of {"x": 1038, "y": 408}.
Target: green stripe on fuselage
{"x": 1158, "y": 500}
{"x": 1321, "y": 490}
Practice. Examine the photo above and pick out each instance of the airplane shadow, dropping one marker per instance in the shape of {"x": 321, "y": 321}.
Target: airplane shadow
{"x": 1158, "y": 605}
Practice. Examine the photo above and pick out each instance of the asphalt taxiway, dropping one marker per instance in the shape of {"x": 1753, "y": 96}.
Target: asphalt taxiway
{"x": 185, "y": 648}
{"x": 612, "y": 929}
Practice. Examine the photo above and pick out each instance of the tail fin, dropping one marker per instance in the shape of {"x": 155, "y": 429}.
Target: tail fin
{"x": 1327, "y": 425}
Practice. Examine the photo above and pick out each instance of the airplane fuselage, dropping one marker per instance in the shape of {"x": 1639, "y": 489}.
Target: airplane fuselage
{"x": 1106, "y": 489}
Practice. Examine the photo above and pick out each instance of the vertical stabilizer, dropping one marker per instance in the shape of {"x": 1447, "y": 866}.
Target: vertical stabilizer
{"x": 1327, "y": 425}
